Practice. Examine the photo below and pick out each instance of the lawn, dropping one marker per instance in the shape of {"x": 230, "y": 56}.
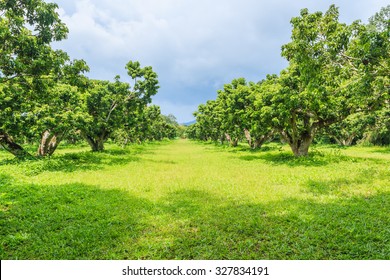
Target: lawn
{"x": 188, "y": 200}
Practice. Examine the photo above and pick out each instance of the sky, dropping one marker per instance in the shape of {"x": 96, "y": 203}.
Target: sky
{"x": 194, "y": 46}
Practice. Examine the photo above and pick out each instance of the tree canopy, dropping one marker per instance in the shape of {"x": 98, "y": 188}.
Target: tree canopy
{"x": 44, "y": 95}
{"x": 335, "y": 70}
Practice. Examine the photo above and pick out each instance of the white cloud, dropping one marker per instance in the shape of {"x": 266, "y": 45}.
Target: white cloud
{"x": 195, "y": 46}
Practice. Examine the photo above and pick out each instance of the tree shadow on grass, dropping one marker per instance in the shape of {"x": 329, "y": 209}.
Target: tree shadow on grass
{"x": 171, "y": 162}
{"x": 73, "y": 221}
{"x": 314, "y": 158}
{"x": 77, "y": 161}
{"x": 364, "y": 177}
{"x": 77, "y": 221}
{"x": 203, "y": 226}
{"x": 336, "y": 186}
{"x": 286, "y": 158}
{"x": 384, "y": 150}
{"x": 81, "y": 160}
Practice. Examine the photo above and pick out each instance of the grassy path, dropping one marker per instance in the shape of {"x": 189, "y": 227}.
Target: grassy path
{"x": 185, "y": 200}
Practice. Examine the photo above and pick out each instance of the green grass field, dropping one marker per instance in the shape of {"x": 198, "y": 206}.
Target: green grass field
{"x": 187, "y": 200}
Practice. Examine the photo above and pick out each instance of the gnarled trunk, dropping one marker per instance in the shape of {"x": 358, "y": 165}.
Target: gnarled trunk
{"x": 346, "y": 141}
{"x": 228, "y": 137}
{"x": 96, "y": 143}
{"x": 8, "y": 144}
{"x": 232, "y": 142}
{"x": 49, "y": 143}
{"x": 299, "y": 143}
{"x": 257, "y": 142}
{"x": 300, "y": 147}
{"x": 300, "y": 140}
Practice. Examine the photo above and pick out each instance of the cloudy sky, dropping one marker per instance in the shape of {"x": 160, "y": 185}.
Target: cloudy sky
{"x": 195, "y": 46}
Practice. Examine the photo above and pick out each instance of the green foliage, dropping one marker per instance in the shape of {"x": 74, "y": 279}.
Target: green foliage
{"x": 26, "y": 29}
{"x": 234, "y": 114}
{"x": 350, "y": 130}
{"x": 117, "y": 106}
{"x": 105, "y": 103}
{"x": 44, "y": 96}
{"x": 233, "y": 101}
{"x": 149, "y": 125}
{"x": 208, "y": 122}
{"x": 335, "y": 71}
{"x": 33, "y": 76}
{"x": 379, "y": 132}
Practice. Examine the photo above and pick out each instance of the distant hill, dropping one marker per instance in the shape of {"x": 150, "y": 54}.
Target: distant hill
{"x": 189, "y": 123}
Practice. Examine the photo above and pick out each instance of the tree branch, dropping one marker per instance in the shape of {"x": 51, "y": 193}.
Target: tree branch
{"x": 113, "y": 107}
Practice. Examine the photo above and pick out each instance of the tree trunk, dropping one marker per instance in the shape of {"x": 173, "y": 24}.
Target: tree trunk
{"x": 248, "y": 137}
{"x": 349, "y": 139}
{"x": 258, "y": 143}
{"x": 300, "y": 147}
{"x": 300, "y": 141}
{"x": 338, "y": 141}
{"x": 97, "y": 144}
{"x": 234, "y": 142}
{"x": 228, "y": 137}
{"x": 49, "y": 143}
{"x": 9, "y": 145}
{"x": 346, "y": 141}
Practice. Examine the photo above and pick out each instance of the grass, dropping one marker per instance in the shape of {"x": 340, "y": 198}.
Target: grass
{"x": 188, "y": 200}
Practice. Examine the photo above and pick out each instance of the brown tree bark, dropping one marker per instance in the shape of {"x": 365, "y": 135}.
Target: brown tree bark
{"x": 256, "y": 142}
{"x": 300, "y": 141}
{"x": 347, "y": 141}
{"x": 259, "y": 142}
{"x": 234, "y": 142}
{"x": 49, "y": 143}
{"x": 97, "y": 144}
{"x": 248, "y": 137}
{"x": 9, "y": 145}
{"x": 301, "y": 146}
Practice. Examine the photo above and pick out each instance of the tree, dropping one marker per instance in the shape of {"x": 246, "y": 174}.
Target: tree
{"x": 59, "y": 111}
{"x": 379, "y": 134}
{"x": 56, "y": 118}
{"x": 232, "y": 101}
{"x": 375, "y": 39}
{"x": 191, "y": 131}
{"x": 151, "y": 126}
{"x": 104, "y": 103}
{"x": 114, "y": 105}
{"x": 26, "y": 59}
{"x": 333, "y": 72}
{"x": 208, "y": 124}
{"x": 351, "y": 129}
{"x": 258, "y": 129}
{"x": 26, "y": 29}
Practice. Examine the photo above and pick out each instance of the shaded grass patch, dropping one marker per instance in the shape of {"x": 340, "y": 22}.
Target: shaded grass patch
{"x": 73, "y": 221}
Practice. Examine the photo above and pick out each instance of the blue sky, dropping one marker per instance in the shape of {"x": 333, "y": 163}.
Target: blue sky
{"x": 195, "y": 46}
